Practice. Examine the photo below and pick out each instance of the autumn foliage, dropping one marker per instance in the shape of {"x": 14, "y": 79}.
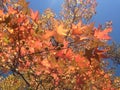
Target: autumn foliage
{"x": 44, "y": 54}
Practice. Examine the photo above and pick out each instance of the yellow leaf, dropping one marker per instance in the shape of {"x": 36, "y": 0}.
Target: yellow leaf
{"x": 47, "y": 35}
{"x": 10, "y": 31}
{"x": 61, "y": 30}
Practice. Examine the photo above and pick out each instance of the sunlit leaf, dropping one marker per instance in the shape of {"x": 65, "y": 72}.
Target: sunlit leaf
{"x": 103, "y": 34}
{"x": 61, "y": 30}
{"x": 34, "y": 15}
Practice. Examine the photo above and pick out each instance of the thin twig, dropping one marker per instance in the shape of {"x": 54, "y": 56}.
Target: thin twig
{"x": 39, "y": 52}
{"x": 17, "y": 72}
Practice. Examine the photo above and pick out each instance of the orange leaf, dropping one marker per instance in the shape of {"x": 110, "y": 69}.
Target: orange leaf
{"x": 69, "y": 54}
{"x": 48, "y": 34}
{"x": 34, "y": 15}
{"x": 46, "y": 63}
{"x": 31, "y": 50}
{"x": 23, "y": 51}
{"x": 80, "y": 29}
{"x": 37, "y": 72}
{"x": 1, "y": 12}
{"x": 77, "y": 28}
{"x": 27, "y": 64}
{"x": 11, "y": 10}
{"x": 78, "y": 58}
{"x": 103, "y": 35}
{"x": 37, "y": 44}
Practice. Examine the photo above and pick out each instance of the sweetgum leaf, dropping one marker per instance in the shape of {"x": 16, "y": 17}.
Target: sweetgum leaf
{"x": 103, "y": 34}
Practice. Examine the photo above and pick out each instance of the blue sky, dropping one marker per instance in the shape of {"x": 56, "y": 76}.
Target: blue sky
{"x": 41, "y": 5}
{"x": 106, "y": 10}
{"x": 109, "y": 10}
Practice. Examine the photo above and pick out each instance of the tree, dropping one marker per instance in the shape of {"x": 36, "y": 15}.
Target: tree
{"x": 114, "y": 53}
{"x": 43, "y": 53}
{"x": 76, "y": 10}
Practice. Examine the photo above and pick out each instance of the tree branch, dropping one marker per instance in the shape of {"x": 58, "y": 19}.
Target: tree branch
{"x": 21, "y": 75}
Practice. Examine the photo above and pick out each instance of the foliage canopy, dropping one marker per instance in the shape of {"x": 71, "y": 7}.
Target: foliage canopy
{"x": 44, "y": 52}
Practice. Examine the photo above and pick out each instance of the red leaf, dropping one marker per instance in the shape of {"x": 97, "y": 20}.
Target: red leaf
{"x": 78, "y": 58}
{"x": 60, "y": 54}
{"x": 21, "y": 19}
{"x": 81, "y": 61}
{"x": 69, "y": 54}
{"x": 65, "y": 54}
